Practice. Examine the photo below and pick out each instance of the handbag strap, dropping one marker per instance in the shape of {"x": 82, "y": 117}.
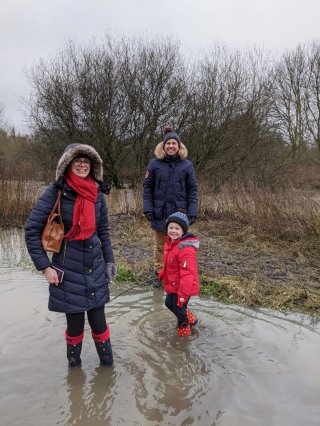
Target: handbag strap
{"x": 58, "y": 200}
{"x": 56, "y": 205}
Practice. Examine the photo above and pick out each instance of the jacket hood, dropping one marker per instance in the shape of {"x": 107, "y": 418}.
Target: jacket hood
{"x": 160, "y": 154}
{"x": 74, "y": 150}
{"x": 187, "y": 240}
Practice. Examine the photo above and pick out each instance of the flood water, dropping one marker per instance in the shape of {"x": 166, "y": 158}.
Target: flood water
{"x": 239, "y": 368}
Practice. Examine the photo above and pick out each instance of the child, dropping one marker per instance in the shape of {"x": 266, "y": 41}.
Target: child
{"x": 180, "y": 272}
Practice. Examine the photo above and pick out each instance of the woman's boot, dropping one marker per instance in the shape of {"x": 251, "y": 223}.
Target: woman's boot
{"x": 183, "y": 329}
{"x": 193, "y": 320}
{"x": 74, "y": 346}
{"x": 103, "y": 346}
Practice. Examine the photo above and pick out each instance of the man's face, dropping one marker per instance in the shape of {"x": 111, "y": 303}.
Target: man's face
{"x": 171, "y": 147}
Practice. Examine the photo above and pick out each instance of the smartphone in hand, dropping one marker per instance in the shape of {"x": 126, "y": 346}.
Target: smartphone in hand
{"x": 60, "y": 273}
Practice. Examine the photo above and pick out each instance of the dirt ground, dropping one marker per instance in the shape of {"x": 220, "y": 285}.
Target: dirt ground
{"x": 243, "y": 267}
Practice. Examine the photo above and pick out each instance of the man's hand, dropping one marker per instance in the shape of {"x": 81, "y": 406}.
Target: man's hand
{"x": 191, "y": 219}
{"x": 149, "y": 216}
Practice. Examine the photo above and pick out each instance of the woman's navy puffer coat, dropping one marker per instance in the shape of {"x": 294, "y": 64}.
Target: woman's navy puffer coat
{"x": 84, "y": 285}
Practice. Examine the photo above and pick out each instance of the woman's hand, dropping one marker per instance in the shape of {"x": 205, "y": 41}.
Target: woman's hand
{"x": 51, "y": 276}
{"x": 111, "y": 271}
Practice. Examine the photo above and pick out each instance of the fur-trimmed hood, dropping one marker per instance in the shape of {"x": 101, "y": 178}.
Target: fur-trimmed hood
{"x": 75, "y": 150}
{"x": 160, "y": 154}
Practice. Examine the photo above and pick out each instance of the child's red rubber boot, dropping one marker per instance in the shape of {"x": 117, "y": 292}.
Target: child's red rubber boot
{"x": 184, "y": 329}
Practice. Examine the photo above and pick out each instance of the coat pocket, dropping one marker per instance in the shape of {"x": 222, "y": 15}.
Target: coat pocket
{"x": 158, "y": 209}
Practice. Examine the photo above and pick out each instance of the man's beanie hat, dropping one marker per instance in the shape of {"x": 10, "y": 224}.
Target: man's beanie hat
{"x": 170, "y": 134}
{"x": 179, "y": 218}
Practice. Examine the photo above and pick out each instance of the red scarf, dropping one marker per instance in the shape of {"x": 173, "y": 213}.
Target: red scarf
{"x": 84, "y": 218}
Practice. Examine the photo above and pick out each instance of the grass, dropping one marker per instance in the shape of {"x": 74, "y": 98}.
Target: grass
{"x": 244, "y": 292}
{"x": 126, "y": 274}
{"x": 288, "y": 214}
{"x": 256, "y": 293}
{"x": 17, "y": 198}
{"x": 222, "y": 240}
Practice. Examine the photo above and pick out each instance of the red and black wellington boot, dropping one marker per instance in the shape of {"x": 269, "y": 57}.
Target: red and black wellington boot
{"x": 103, "y": 346}
{"x": 74, "y": 346}
{"x": 184, "y": 329}
{"x": 193, "y": 320}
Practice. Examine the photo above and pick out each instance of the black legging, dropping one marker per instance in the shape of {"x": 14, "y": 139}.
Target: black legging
{"x": 180, "y": 313}
{"x": 96, "y": 319}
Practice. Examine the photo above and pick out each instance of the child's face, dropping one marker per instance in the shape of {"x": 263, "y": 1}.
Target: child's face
{"x": 174, "y": 231}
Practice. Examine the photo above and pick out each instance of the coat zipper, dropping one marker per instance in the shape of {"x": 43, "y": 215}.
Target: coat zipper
{"x": 64, "y": 250}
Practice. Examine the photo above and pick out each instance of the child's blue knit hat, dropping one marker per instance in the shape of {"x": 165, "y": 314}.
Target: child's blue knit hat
{"x": 179, "y": 218}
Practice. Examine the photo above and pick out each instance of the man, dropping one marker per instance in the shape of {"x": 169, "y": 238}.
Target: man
{"x": 170, "y": 185}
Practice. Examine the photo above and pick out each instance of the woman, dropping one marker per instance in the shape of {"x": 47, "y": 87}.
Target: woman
{"x": 85, "y": 258}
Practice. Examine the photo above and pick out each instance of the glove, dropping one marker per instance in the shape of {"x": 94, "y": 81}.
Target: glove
{"x": 111, "y": 271}
{"x": 149, "y": 216}
{"x": 181, "y": 300}
{"x": 191, "y": 219}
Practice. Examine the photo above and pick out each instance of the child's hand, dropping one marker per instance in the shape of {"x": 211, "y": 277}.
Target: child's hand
{"x": 160, "y": 276}
{"x": 181, "y": 300}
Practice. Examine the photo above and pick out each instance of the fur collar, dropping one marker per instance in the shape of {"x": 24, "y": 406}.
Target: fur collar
{"x": 76, "y": 149}
{"x": 160, "y": 154}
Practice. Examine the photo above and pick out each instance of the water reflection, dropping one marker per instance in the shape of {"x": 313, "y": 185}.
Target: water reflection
{"x": 90, "y": 399}
{"x": 239, "y": 367}
{"x": 12, "y": 247}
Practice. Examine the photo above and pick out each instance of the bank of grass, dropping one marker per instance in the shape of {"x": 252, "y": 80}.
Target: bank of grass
{"x": 240, "y": 291}
{"x": 235, "y": 239}
{"x": 258, "y": 293}
{"x": 133, "y": 273}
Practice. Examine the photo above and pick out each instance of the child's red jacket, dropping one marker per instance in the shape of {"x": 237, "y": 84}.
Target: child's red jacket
{"x": 180, "y": 271}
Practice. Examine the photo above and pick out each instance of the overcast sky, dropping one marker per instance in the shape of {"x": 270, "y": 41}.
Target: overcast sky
{"x": 30, "y": 29}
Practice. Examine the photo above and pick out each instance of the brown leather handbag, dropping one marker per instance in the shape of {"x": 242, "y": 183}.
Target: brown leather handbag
{"x": 53, "y": 232}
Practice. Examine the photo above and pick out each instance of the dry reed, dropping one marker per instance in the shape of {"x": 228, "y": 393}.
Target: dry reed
{"x": 287, "y": 214}
{"x": 17, "y": 197}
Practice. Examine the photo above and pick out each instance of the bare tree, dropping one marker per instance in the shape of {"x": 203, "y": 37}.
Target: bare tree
{"x": 288, "y": 92}
{"x": 230, "y": 109}
{"x": 153, "y": 80}
{"x": 76, "y": 98}
{"x": 232, "y": 112}
{"x": 312, "y": 95}
{"x": 115, "y": 96}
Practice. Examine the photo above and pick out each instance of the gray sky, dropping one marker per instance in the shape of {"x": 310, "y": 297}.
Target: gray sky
{"x": 30, "y": 29}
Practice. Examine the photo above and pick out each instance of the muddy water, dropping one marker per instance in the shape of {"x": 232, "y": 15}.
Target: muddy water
{"x": 239, "y": 367}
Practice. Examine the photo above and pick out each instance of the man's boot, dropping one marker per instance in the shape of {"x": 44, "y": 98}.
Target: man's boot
{"x": 156, "y": 282}
{"x": 184, "y": 329}
{"x": 74, "y": 346}
{"x": 193, "y": 320}
{"x": 103, "y": 346}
